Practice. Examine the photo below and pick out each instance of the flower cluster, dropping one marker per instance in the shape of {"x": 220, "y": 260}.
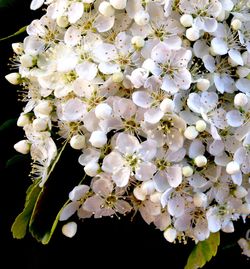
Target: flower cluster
{"x": 155, "y": 96}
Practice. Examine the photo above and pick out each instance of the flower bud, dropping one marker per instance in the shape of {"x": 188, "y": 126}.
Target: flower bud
{"x": 200, "y": 125}
{"x": 186, "y": 20}
{"x": 200, "y": 199}
{"x": 192, "y": 34}
{"x": 14, "y": 78}
{"x": 138, "y": 41}
{"x": 106, "y": 9}
{"x": 23, "y": 120}
{"x": 17, "y": 48}
{"x": 98, "y": 139}
{"x": 200, "y": 161}
{"x": 117, "y": 77}
{"x": 155, "y": 197}
{"x": 203, "y": 84}
{"x": 43, "y": 108}
{"x": 92, "y": 168}
{"x": 69, "y": 229}
{"x": 191, "y": 133}
{"x": 240, "y": 100}
{"x": 77, "y": 141}
{"x": 170, "y": 234}
{"x": 40, "y": 124}
{"x": 232, "y": 168}
{"x": 167, "y": 105}
{"x": 22, "y": 146}
{"x": 62, "y": 21}
{"x": 222, "y": 15}
{"x": 236, "y": 24}
{"x": 187, "y": 171}
{"x": 139, "y": 193}
{"x": 118, "y": 4}
{"x": 228, "y": 228}
{"x": 142, "y": 18}
{"x": 27, "y": 60}
{"x": 103, "y": 111}
{"x": 240, "y": 192}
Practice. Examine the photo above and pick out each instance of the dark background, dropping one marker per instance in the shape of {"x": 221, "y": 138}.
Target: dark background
{"x": 106, "y": 242}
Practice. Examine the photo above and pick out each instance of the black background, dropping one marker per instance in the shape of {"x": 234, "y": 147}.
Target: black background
{"x": 103, "y": 242}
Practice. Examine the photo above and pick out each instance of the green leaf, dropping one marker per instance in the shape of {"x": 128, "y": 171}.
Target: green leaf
{"x": 20, "y": 31}
{"x": 203, "y": 252}
{"x": 15, "y": 159}
{"x": 7, "y": 124}
{"x": 20, "y": 225}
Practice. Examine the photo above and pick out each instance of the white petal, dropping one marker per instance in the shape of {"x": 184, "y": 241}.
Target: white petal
{"x": 121, "y": 177}
{"x": 75, "y": 12}
{"x": 35, "y": 4}
{"x": 237, "y": 178}
{"x": 234, "y": 118}
{"x": 103, "y": 187}
{"x": 200, "y": 48}
{"x": 108, "y": 68}
{"x": 216, "y": 148}
{"x": 209, "y": 63}
{"x": 169, "y": 85}
{"x": 105, "y": 52}
{"x": 103, "y": 23}
{"x": 194, "y": 102}
{"x": 174, "y": 175}
{"x": 153, "y": 115}
{"x": 160, "y": 53}
{"x": 78, "y": 192}
{"x": 87, "y": 70}
{"x": 69, "y": 210}
{"x": 236, "y": 56}
{"x": 243, "y": 85}
{"x": 145, "y": 171}
{"x": 196, "y": 148}
{"x": 160, "y": 181}
{"x": 112, "y": 162}
{"x": 152, "y": 66}
{"x": 126, "y": 143}
{"x": 173, "y": 42}
{"x": 176, "y": 206}
{"x": 142, "y": 99}
{"x": 214, "y": 223}
{"x": 72, "y": 36}
{"x": 219, "y": 46}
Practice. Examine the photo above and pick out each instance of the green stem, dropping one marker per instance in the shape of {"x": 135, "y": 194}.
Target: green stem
{"x": 20, "y": 31}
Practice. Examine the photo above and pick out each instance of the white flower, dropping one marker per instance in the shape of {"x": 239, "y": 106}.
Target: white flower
{"x": 69, "y": 229}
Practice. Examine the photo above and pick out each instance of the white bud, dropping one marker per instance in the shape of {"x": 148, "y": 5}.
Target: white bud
{"x": 118, "y": 4}
{"x": 27, "y": 60}
{"x": 240, "y": 192}
{"x": 232, "y": 168}
{"x": 22, "y": 146}
{"x": 191, "y": 133}
{"x": 44, "y": 108}
{"x": 17, "y": 48}
{"x": 77, "y": 141}
{"x": 236, "y": 24}
{"x": 155, "y": 197}
{"x": 187, "y": 171}
{"x": 138, "y": 41}
{"x": 200, "y": 161}
{"x": 167, "y": 105}
{"x": 148, "y": 187}
{"x": 200, "y": 199}
{"x": 23, "y": 120}
{"x": 200, "y": 125}
{"x": 245, "y": 209}
{"x": 98, "y": 139}
{"x": 170, "y": 234}
{"x": 240, "y": 100}
{"x": 139, "y": 193}
{"x": 92, "y": 168}
{"x": 14, "y": 78}
{"x": 192, "y": 34}
{"x": 186, "y": 20}
{"x": 106, "y": 9}
{"x": 40, "y": 124}
{"x": 62, "y": 21}
{"x": 242, "y": 71}
{"x": 117, "y": 77}
{"x": 69, "y": 229}
{"x": 103, "y": 111}
{"x": 203, "y": 84}
{"x": 142, "y": 18}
